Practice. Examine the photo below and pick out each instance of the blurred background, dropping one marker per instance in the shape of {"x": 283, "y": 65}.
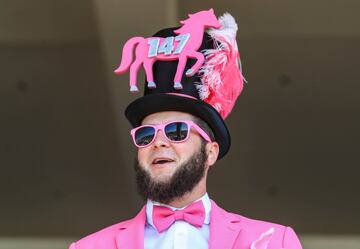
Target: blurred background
{"x": 66, "y": 156}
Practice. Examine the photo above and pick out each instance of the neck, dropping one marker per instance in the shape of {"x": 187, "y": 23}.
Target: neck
{"x": 190, "y": 197}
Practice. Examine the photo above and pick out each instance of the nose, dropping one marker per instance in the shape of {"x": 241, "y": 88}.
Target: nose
{"x": 160, "y": 140}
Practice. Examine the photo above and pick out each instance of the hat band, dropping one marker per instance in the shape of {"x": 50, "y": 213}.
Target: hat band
{"x": 183, "y": 95}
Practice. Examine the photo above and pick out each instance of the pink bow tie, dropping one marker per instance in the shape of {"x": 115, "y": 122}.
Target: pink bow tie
{"x": 164, "y": 217}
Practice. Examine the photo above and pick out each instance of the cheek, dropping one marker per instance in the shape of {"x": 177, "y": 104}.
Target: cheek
{"x": 186, "y": 150}
{"x": 142, "y": 156}
{"x": 183, "y": 150}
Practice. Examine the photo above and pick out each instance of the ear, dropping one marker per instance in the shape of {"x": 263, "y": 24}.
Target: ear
{"x": 212, "y": 10}
{"x": 212, "y": 151}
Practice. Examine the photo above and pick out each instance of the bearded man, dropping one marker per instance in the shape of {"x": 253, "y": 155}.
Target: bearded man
{"x": 179, "y": 132}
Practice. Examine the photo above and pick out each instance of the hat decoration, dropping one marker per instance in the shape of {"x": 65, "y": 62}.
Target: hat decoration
{"x": 181, "y": 47}
{"x": 221, "y": 77}
{"x": 221, "y": 80}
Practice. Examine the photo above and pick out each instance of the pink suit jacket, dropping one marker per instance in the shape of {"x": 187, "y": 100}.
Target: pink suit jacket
{"x": 227, "y": 231}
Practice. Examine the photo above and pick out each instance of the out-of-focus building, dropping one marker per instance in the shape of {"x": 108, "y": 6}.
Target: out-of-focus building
{"x": 66, "y": 154}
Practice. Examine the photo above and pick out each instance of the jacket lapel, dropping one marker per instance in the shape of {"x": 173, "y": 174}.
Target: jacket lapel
{"x": 131, "y": 234}
{"x": 224, "y": 228}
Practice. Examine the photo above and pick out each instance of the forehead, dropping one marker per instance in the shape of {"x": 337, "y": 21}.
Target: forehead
{"x": 164, "y": 117}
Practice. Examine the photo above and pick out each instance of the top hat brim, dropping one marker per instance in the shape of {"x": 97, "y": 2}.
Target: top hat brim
{"x": 159, "y": 102}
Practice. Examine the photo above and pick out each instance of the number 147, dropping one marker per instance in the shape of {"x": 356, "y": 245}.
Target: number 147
{"x": 167, "y": 46}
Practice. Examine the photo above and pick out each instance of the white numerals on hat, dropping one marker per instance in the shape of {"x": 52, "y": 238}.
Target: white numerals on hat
{"x": 167, "y": 46}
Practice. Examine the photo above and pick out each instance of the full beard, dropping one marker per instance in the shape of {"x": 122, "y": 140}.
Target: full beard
{"x": 183, "y": 180}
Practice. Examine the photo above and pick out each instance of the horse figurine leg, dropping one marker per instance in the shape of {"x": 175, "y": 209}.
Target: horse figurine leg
{"x": 134, "y": 68}
{"x": 148, "y": 66}
{"x": 199, "y": 61}
{"x": 179, "y": 72}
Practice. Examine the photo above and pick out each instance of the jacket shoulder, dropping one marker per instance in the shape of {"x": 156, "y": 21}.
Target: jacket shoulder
{"x": 104, "y": 238}
{"x": 280, "y": 236}
{"x": 247, "y": 222}
{"x": 258, "y": 224}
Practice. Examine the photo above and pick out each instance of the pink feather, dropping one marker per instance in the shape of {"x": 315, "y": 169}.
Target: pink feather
{"x": 221, "y": 77}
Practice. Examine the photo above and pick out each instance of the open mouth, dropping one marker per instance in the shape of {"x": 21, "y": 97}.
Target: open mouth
{"x": 162, "y": 161}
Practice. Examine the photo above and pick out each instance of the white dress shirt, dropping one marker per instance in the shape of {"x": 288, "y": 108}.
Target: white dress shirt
{"x": 180, "y": 235}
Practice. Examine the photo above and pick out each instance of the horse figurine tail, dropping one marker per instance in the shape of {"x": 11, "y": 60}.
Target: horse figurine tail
{"x": 127, "y": 54}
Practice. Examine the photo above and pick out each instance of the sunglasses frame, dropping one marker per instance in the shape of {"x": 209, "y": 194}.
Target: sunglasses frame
{"x": 161, "y": 127}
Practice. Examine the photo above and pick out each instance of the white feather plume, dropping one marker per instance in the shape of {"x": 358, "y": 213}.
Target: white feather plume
{"x": 223, "y": 37}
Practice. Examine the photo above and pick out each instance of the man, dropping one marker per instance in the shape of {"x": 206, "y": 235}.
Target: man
{"x": 192, "y": 82}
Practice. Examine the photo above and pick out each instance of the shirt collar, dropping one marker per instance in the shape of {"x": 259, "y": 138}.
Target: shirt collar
{"x": 205, "y": 200}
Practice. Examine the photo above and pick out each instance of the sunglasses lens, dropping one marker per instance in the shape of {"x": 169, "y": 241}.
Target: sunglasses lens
{"x": 176, "y": 131}
{"x": 144, "y": 136}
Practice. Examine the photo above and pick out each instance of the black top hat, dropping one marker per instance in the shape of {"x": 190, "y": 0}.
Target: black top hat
{"x": 186, "y": 98}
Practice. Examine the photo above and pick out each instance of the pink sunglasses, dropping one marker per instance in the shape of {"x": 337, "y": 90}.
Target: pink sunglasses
{"x": 175, "y": 131}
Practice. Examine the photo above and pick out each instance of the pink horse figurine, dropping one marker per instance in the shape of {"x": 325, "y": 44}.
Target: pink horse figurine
{"x": 181, "y": 47}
